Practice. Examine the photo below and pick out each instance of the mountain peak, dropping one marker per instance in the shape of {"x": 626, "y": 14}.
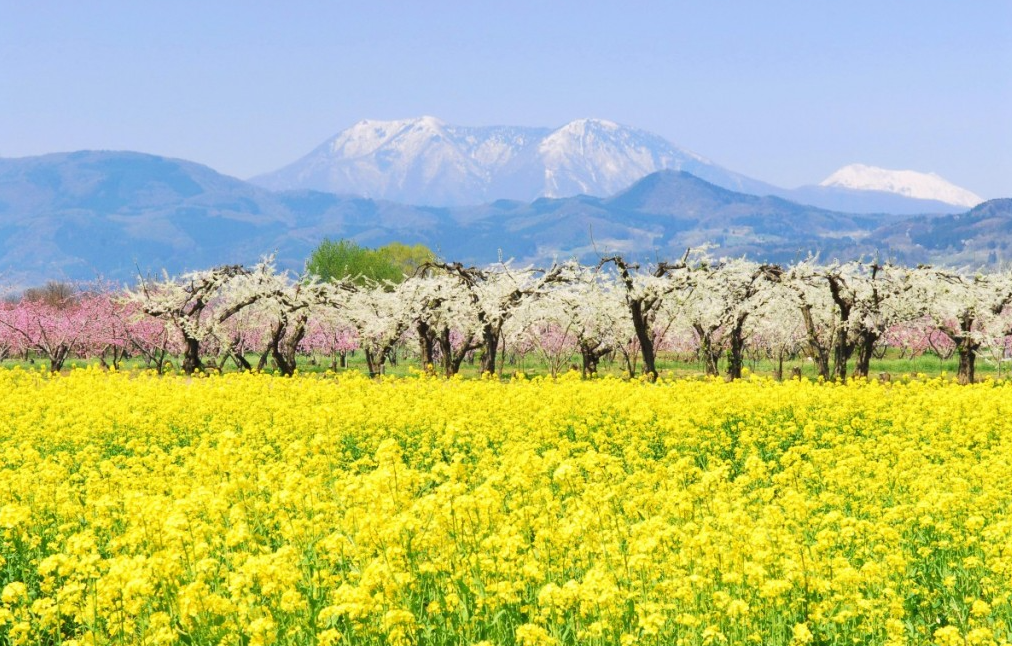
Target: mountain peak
{"x": 589, "y": 123}
{"x": 368, "y": 136}
{"x": 909, "y": 183}
{"x": 423, "y": 160}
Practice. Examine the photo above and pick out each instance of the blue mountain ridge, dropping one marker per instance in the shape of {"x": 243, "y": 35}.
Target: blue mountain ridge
{"x": 100, "y": 214}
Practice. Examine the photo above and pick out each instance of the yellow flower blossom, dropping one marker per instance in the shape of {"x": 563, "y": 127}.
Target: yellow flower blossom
{"x": 157, "y": 510}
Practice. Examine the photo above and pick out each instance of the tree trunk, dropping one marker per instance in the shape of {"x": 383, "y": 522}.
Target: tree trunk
{"x": 427, "y": 342}
{"x": 191, "y": 356}
{"x": 967, "y": 349}
{"x": 375, "y": 360}
{"x": 285, "y": 347}
{"x": 865, "y": 351}
{"x": 159, "y": 359}
{"x": 711, "y": 357}
{"x": 118, "y": 356}
{"x": 57, "y": 358}
{"x": 591, "y": 355}
{"x": 736, "y": 351}
{"x": 262, "y": 362}
{"x": 844, "y": 348}
{"x": 241, "y": 362}
{"x": 286, "y": 365}
{"x": 816, "y": 350}
{"x": 842, "y": 352}
{"x": 455, "y": 362}
{"x": 641, "y": 327}
{"x": 630, "y": 361}
{"x": 446, "y": 357}
{"x": 449, "y": 359}
{"x": 490, "y": 343}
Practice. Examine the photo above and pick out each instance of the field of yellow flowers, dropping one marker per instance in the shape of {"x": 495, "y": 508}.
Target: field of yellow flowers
{"x": 251, "y": 509}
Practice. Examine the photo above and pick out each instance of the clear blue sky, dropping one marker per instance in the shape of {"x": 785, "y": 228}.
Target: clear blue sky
{"x": 782, "y": 91}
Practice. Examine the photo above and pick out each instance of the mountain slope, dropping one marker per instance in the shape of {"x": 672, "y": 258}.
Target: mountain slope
{"x": 981, "y": 236}
{"x": 416, "y": 160}
{"x": 107, "y": 214}
{"x": 78, "y": 216}
{"x": 426, "y": 161}
{"x": 88, "y": 213}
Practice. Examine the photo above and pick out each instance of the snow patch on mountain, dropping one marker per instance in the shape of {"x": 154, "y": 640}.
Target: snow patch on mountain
{"x": 599, "y": 157}
{"x": 909, "y": 183}
{"x": 426, "y": 161}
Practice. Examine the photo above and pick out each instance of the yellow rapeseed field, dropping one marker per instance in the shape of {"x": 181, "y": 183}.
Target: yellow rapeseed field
{"x": 250, "y": 509}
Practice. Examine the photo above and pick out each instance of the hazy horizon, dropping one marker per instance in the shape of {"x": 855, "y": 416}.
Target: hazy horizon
{"x": 785, "y": 93}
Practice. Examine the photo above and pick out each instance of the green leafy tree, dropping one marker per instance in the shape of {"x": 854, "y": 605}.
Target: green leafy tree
{"x": 407, "y": 258}
{"x": 344, "y": 259}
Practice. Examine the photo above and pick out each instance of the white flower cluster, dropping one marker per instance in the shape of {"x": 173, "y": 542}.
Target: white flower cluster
{"x": 838, "y": 311}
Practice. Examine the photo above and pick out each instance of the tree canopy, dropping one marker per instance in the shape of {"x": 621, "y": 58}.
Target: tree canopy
{"x": 344, "y": 259}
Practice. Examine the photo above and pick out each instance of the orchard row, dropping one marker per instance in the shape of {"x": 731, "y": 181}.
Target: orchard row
{"x": 719, "y": 311}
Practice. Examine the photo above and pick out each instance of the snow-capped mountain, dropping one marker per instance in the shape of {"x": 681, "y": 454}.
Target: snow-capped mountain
{"x": 908, "y": 183}
{"x": 426, "y": 161}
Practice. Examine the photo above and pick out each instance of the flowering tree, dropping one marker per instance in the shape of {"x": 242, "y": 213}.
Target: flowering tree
{"x": 146, "y": 336}
{"x": 592, "y": 307}
{"x": 242, "y": 334}
{"x": 834, "y": 313}
{"x": 818, "y": 311}
{"x": 777, "y": 332}
{"x": 915, "y": 337}
{"x": 864, "y": 301}
{"x": 644, "y": 294}
{"x": 106, "y": 338}
{"x": 11, "y": 341}
{"x": 55, "y": 327}
{"x": 494, "y": 294}
{"x": 547, "y": 325}
{"x": 198, "y": 303}
{"x": 968, "y": 310}
{"x": 447, "y": 321}
{"x": 327, "y": 334}
{"x": 380, "y": 314}
{"x": 723, "y": 297}
{"x": 283, "y": 307}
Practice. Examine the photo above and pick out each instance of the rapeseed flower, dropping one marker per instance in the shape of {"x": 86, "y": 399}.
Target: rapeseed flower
{"x": 158, "y": 510}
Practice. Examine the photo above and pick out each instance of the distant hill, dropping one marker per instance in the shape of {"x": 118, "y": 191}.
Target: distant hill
{"x": 88, "y": 213}
{"x": 83, "y": 215}
{"x": 982, "y": 236}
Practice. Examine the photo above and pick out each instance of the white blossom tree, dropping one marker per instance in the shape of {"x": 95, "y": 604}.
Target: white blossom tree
{"x": 594, "y": 305}
{"x": 197, "y": 303}
{"x": 864, "y": 301}
{"x": 971, "y": 311}
{"x": 447, "y": 321}
{"x": 380, "y": 313}
{"x": 494, "y": 293}
{"x": 720, "y": 305}
{"x": 645, "y": 293}
{"x": 818, "y": 312}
